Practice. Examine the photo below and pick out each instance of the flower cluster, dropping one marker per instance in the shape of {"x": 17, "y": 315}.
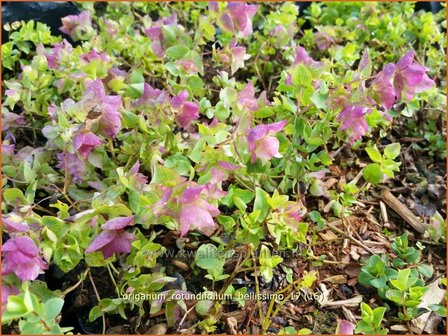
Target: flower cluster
{"x": 21, "y": 257}
{"x": 114, "y": 239}
{"x": 263, "y": 144}
{"x": 77, "y": 26}
{"x": 405, "y": 78}
{"x": 237, "y": 18}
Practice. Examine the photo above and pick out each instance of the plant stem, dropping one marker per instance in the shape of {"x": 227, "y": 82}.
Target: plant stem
{"x": 68, "y": 290}
{"x": 257, "y": 289}
{"x": 99, "y": 299}
{"x": 113, "y": 280}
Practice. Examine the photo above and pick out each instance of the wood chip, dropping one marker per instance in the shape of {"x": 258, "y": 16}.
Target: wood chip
{"x": 328, "y": 235}
{"x": 337, "y": 279}
{"x": 325, "y": 302}
{"x": 352, "y": 282}
{"x": 348, "y": 315}
{"x": 238, "y": 315}
{"x": 180, "y": 264}
{"x": 384, "y": 213}
{"x": 399, "y": 327}
{"x": 404, "y": 212}
{"x": 434, "y": 295}
{"x": 232, "y": 323}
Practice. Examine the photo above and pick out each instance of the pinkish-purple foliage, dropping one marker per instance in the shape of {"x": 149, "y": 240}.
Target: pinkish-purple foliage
{"x": 186, "y": 111}
{"x": 410, "y": 77}
{"x": 114, "y": 239}
{"x": 85, "y": 142}
{"x": 73, "y": 25}
{"x": 302, "y": 57}
{"x": 95, "y": 97}
{"x": 246, "y": 98}
{"x": 262, "y": 142}
{"x": 155, "y": 34}
{"x": 344, "y": 327}
{"x": 6, "y": 292}
{"x": 237, "y": 18}
{"x": 21, "y": 257}
{"x": 353, "y": 119}
{"x": 383, "y": 89}
{"x": 14, "y": 223}
{"x": 195, "y": 212}
{"x": 73, "y": 164}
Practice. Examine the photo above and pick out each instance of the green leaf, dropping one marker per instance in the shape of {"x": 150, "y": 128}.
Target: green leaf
{"x": 364, "y": 278}
{"x": 177, "y": 52}
{"x": 301, "y": 76}
{"x": 207, "y": 257}
{"x": 438, "y": 309}
{"x": 261, "y": 203}
{"x": 365, "y": 65}
{"x": 16, "y": 304}
{"x": 52, "y": 308}
{"x": 426, "y": 270}
{"x": 366, "y": 310}
{"x": 267, "y": 273}
{"x": 378, "y": 314}
{"x": 265, "y": 255}
{"x": 374, "y": 154}
{"x": 240, "y": 203}
{"x": 203, "y": 307}
{"x": 94, "y": 313}
{"x": 31, "y": 328}
{"x": 372, "y": 173}
{"x": 316, "y": 217}
{"x": 398, "y": 285}
{"x": 196, "y": 85}
{"x": 364, "y": 327}
{"x": 379, "y": 282}
{"x": 228, "y": 96}
{"x": 14, "y": 195}
{"x": 222, "y": 112}
{"x": 166, "y": 176}
{"x": 178, "y": 163}
{"x": 395, "y": 296}
{"x": 403, "y": 276}
{"x": 391, "y": 151}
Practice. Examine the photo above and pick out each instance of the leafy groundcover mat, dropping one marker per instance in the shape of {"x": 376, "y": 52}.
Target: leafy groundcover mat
{"x": 218, "y": 167}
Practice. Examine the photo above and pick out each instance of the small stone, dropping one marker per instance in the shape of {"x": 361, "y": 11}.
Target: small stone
{"x": 158, "y": 329}
{"x": 116, "y": 330}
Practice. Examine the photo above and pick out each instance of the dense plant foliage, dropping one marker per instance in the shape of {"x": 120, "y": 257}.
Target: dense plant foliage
{"x": 152, "y": 130}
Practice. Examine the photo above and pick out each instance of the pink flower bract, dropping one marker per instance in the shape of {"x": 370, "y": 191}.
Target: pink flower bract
{"x": 21, "y": 256}
{"x": 410, "y": 77}
{"x": 85, "y": 142}
{"x": 73, "y": 164}
{"x": 263, "y": 144}
{"x": 196, "y": 213}
{"x": 303, "y": 57}
{"x": 383, "y": 90}
{"x": 6, "y": 292}
{"x": 113, "y": 239}
{"x": 186, "y": 111}
{"x": 246, "y": 98}
{"x": 237, "y": 18}
{"x": 344, "y": 327}
{"x": 95, "y": 95}
{"x": 354, "y": 119}
{"x": 72, "y": 23}
{"x": 14, "y": 223}
{"x": 156, "y": 35}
